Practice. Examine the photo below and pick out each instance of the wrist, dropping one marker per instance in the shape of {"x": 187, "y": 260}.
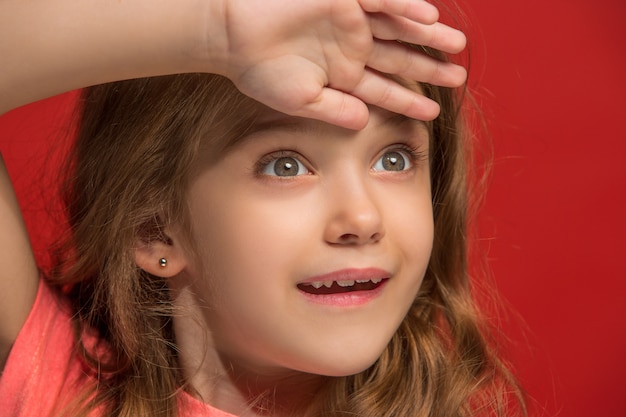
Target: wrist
{"x": 206, "y": 47}
{"x": 179, "y": 37}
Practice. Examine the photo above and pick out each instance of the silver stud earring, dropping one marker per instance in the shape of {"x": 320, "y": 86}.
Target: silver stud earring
{"x": 163, "y": 262}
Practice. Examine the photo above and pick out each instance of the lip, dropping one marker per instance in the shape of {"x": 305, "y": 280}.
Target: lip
{"x": 350, "y": 298}
{"x": 351, "y": 274}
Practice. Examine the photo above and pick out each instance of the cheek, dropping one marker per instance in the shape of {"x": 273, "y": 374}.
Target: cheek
{"x": 243, "y": 239}
{"x": 409, "y": 221}
{"x": 411, "y": 227}
{"x": 418, "y": 229}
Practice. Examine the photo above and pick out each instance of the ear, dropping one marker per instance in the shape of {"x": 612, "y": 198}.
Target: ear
{"x": 149, "y": 255}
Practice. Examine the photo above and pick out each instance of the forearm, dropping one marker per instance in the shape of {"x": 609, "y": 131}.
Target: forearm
{"x": 51, "y": 46}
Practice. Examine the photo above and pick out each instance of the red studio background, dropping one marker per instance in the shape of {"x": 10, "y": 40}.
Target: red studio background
{"x": 550, "y": 77}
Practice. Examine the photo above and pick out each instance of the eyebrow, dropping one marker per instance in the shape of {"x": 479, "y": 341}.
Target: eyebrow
{"x": 397, "y": 119}
{"x": 301, "y": 125}
{"x": 284, "y": 124}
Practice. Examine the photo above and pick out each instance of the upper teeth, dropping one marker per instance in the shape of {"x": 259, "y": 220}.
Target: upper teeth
{"x": 343, "y": 283}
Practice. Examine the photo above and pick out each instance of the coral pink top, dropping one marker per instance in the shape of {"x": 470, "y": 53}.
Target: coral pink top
{"x": 42, "y": 368}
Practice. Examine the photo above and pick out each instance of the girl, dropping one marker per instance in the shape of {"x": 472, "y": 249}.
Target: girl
{"x": 298, "y": 250}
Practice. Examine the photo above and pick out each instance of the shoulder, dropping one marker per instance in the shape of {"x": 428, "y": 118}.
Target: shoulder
{"x": 40, "y": 360}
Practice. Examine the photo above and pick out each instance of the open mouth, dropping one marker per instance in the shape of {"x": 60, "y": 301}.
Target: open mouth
{"x": 343, "y": 286}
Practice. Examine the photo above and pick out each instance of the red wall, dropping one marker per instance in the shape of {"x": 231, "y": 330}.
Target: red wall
{"x": 551, "y": 79}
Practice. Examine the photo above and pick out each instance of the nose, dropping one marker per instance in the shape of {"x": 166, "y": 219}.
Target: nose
{"x": 354, "y": 216}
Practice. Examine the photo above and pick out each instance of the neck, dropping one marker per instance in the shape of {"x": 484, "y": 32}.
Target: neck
{"x": 223, "y": 383}
{"x": 251, "y": 394}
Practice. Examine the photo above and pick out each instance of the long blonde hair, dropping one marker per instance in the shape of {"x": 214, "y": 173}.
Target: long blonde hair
{"x": 127, "y": 178}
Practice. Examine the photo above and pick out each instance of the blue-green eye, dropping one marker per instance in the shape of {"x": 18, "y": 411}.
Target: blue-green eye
{"x": 284, "y": 166}
{"x": 393, "y": 161}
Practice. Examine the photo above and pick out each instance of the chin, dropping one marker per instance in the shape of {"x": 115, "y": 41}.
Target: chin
{"x": 347, "y": 370}
{"x": 340, "y": 365}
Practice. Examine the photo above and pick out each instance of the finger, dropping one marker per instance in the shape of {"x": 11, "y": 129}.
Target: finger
{"x": 337, "y": 108}
{"x": 416, "y": 10}
{"x": 381, "y": 91}
{"x": 392, "y": 57}
{"x": 437, "y": 35}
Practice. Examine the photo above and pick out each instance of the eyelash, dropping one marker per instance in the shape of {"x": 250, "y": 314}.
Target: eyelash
{"x": 266, "y": 160}
{"x": 413, "y": 153}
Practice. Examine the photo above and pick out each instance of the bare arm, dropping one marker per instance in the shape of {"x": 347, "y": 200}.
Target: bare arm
{"x": 18, "y": 271}
{"x": 52, "y": 46}
{"x": 312, "y": 58}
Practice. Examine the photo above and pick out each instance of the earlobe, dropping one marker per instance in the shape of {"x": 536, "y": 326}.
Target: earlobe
{"x": 160, "y": 258}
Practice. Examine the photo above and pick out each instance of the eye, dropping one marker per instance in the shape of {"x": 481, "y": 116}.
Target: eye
{"x": 395, "y": 160}
{"x": 284, "y": 166}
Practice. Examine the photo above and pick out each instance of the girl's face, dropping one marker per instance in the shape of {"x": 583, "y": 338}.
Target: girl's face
{"x": 312, "y": 242}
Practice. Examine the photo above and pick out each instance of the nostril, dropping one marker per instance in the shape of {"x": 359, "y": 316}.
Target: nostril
{"x": 349, "y": 238}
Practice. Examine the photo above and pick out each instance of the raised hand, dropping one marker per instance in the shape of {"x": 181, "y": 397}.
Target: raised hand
{"x": 328, "y": 59}
{"x": 323, "y": 59}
